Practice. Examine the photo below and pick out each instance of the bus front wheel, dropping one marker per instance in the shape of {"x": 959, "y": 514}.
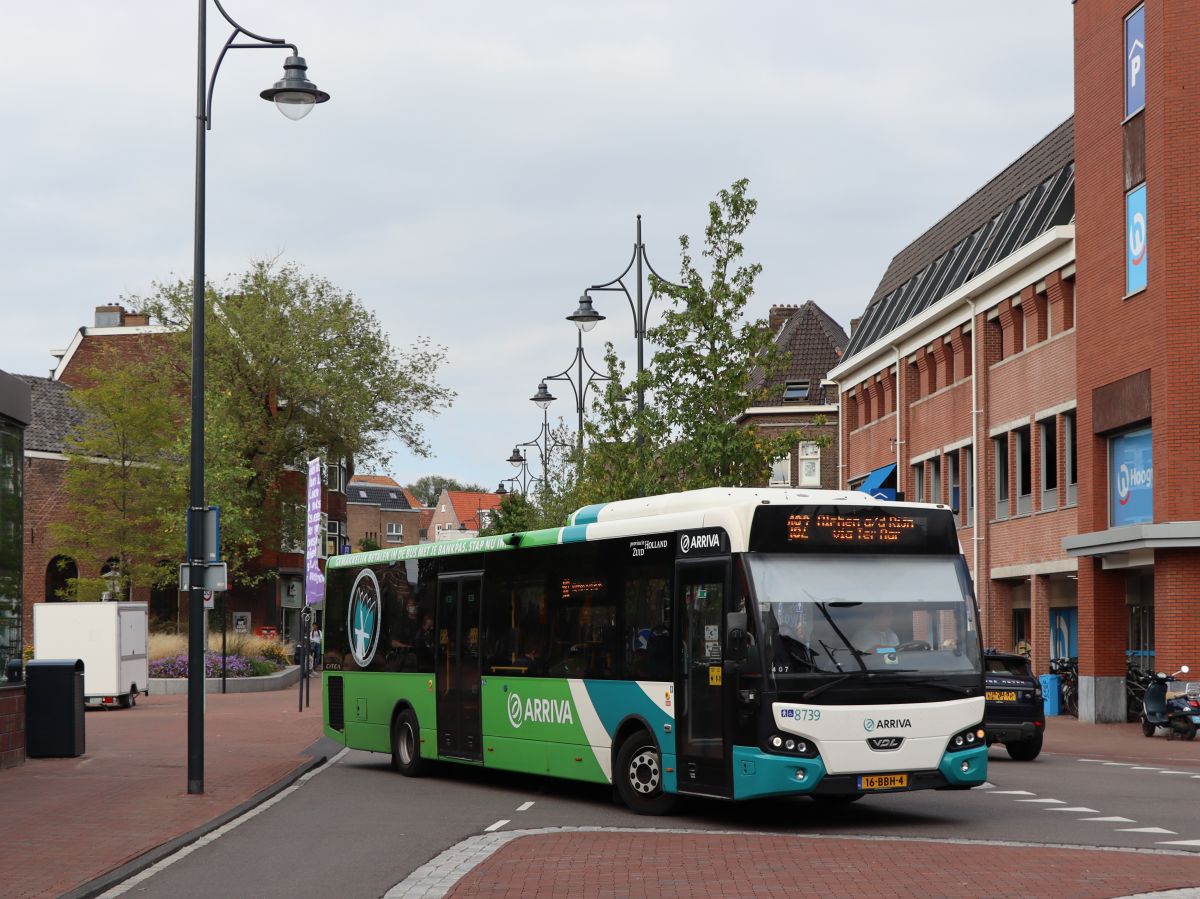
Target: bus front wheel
{"x": 639, "y": 776}
{"x": 406, "y": 745}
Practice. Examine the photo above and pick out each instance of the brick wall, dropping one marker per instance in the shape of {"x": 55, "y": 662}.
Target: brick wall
{"x": 12, "y": 725}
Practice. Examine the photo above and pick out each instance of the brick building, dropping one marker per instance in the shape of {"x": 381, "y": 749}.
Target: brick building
{"x": 14, "y": 418}
{"x": 1027, "y": 361}
{"x": 380, "y": 511}
{"x": 461, "y": 513}
{"x": 798, "y": 397}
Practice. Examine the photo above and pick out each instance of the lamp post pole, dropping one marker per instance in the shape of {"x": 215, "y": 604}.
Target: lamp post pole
{"x": 295, "y": 96}
{"x": 579, "y": 386}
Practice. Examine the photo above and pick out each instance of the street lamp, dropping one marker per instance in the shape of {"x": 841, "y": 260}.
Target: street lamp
{"x": 585, "y": 317}
{"x": 579, "y": 386}
{"x": 294, "y": 95}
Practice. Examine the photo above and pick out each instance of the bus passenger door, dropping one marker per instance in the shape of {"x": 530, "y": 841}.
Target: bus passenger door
{"x": 701, "y": 588}
{"x": 459, "y": 724}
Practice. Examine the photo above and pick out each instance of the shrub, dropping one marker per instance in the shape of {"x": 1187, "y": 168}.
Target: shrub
{"x": 261, "y": 667}
{"x": 177, "y": 666}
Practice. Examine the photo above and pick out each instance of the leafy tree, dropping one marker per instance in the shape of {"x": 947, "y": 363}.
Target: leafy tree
{"x": 125, "y": 480}
{"x": 427, "y": 489}
{"x": 295, "y": 368}
{"x": 700, "y": 380}
{"x": 366, "y": 544}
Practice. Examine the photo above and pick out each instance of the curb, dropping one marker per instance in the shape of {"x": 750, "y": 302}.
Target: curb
{"x": 104, "y": 882}
{"x": 173, "y": 686}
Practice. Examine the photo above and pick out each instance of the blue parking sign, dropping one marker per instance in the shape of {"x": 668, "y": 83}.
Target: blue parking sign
{"x": 1135, "y": 240}
{"x": 1135, "y": 61}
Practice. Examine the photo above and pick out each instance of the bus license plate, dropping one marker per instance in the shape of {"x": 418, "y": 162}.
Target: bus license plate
{"x": 1001, "y": 695}
{"x": 882, "y": 781}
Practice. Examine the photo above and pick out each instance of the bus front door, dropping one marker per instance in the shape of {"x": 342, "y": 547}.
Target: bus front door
{"x": 702, "y": 764}
{"x": 459, "y": 724}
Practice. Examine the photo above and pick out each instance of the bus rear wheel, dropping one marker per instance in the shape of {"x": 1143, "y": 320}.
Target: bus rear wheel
{"x": 406, "y": 745}
{"x": 639, "y": 776}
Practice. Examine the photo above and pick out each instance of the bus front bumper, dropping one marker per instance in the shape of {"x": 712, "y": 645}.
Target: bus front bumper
{"x": 757, "y": 773}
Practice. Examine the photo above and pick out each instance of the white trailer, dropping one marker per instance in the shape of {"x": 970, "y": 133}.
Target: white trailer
{"x": 110, "y": 637}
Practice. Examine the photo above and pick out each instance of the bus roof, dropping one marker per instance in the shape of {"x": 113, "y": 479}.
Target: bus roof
{"x": 729, "y": 507}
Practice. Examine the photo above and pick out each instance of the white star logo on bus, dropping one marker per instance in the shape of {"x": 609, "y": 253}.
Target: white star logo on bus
{"x": 364, "y": 617}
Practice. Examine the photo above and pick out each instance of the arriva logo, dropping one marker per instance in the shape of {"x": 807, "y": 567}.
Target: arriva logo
{"x": 1130, "y": 477}
{"x": 869, "y": 724}
{"x": 700, "y": 541}
{"x": 539, "y": 711}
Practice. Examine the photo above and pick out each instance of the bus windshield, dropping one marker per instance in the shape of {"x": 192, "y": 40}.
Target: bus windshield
{"x": 839, "y": 615}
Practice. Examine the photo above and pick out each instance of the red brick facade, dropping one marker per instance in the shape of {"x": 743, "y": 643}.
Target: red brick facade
{"x": 12, "y": 725}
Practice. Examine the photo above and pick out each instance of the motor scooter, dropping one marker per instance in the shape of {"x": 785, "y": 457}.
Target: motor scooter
{"x": 1179, "y": 715}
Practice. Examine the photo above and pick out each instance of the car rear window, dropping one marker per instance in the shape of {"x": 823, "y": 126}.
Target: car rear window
{"x": 1011, "y": 667}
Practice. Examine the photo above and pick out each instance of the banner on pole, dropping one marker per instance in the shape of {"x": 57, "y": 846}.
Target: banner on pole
{"x": 314, "y": 584}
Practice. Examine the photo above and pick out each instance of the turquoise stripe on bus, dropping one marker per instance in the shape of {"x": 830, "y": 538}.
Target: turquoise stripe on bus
{"x": 573, "y": 533}
{"x": 588, "y": 514}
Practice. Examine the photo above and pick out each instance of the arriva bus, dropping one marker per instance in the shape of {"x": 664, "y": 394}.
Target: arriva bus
{"x": 729, "y": 643}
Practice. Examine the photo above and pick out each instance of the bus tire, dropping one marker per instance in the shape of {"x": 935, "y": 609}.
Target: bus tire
{"x": 639, "y": 776}
{"x": 406, "y": 745}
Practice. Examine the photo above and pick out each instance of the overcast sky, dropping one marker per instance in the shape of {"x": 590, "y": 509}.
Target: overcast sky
{"x": 480, "y": 164}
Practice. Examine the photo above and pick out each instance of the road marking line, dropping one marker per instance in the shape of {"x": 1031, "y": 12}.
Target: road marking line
{"x": 1094, "y": 760}
{"x": 496, "y": 826}
{"x": 212, "y": 836}
{"x": 986, "y": 785}
{"x": 1179, "y": 843}
{"x": 1075, "y": 808}
{"x": 524, "y": 807}
{"x": 1055, "y": 801}
{"x": 1145, "y": 830}
{"x": 1114, "y": 820}
{"x": 1143, "y": 768}
{"x": 1121, "y": 764}
{"x": 1010, "y": 793}
{"x": 1174, "y": 772}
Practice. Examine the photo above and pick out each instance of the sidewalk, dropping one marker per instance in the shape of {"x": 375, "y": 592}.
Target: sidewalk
{"x": 75, "y": 820}
{"x": 72, "y": 820}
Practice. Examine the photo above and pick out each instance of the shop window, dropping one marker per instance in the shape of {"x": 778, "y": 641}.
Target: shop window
{"x": 1048, "y": 434}
{"x": 1024, "y": 471}
{"x": 1070, "y": 457}
{"x": 1001, "y": 446}
{"x": 810, "y": 464}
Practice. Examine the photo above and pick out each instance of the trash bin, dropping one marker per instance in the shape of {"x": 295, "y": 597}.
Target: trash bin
{"x": 1050, "y": 693}
{"x": 54, "y": 708}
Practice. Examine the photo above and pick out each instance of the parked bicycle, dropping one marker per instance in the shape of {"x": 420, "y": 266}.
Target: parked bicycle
{"x": 1137, "y": 679}
{"x": 1068, "y": 673}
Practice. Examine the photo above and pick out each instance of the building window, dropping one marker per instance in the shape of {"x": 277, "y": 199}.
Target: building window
{"x": 954, "y": 482}
{"x": 781, "y": 472}
{"x": 810, "y": 464}
{"x": 1049, "y": 438}
{"x": 395, "y": 532}
{"x": 1024, "y": 471}
{"x": 1070, "y": 459}
{"x": 969, "y": 467}
{"x": 1001, "y": 446}
{"x": 919, "y": 482}
{"x": 334, "y": 532}
{"x": 794, "y": 391}
{"x": 935, "y": 479}
{"x": 335, "y": 477}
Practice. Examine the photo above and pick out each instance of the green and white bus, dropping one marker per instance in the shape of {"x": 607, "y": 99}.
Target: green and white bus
{"x": 729, "y": 643}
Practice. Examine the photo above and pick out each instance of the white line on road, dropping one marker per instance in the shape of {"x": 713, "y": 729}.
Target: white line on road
{"x": 1114, "y": 820}
{"x": 1180, "y": 843}
{"x": 1146, "y": 830}
{"x": 1054, "y": 801}
{"x": 1010, "y": 793}
{"x": 1143, "y": 768}
{"x": 1121, "y": 764}
{"x": 1075, "y": 808}
{"x": 1174, "y": 772}
{"x": 1093, "y": 760}
{"x": 986, "y": 785}
{"x": 496, "y": 826}
{"x": 525, "y": 806}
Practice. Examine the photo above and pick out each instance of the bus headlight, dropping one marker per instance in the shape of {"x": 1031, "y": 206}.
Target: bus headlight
{"x": 967, "y": 739}
{"x": 793, "y": 745}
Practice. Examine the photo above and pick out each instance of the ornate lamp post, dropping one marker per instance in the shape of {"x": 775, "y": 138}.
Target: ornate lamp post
{"x": 579, "y": 386}
{"x": 295, "y": 96}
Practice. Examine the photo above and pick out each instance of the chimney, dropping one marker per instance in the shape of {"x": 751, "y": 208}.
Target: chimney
{"x": 136, "y": 319}
{"x": 854, "y": 325}
{"x": 779, "y": 315}
{"x": 110, "y": 316}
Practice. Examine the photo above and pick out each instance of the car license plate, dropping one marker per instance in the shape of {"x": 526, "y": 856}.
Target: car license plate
{"x": 882, "y": 781}
{"x": 1000, "y": 695}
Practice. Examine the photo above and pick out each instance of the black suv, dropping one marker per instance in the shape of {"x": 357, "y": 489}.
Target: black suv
{"x": 1014, "y": 714}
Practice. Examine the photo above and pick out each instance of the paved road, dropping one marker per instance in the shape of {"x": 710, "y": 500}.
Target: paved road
{"x": 355, "y": 828}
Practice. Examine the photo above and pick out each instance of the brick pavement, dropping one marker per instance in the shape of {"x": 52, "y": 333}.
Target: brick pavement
{"x": 71, "y": 820}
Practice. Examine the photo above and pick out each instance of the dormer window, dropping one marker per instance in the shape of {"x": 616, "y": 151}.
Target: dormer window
{"x": 795, "y": 391}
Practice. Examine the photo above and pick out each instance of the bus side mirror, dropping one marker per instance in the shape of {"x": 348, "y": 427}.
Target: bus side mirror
{"x": 736, "y": 639}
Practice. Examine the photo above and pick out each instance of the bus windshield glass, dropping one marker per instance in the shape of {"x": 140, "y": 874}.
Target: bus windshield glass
{"x": 837, "y": 615}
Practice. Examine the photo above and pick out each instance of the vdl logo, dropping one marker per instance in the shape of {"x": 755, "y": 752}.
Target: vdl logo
{"x": 363, "y": 618}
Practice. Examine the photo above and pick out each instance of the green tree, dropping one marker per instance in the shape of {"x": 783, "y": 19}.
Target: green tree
{"x": 701, "y": 378}
{"x": 296, "y": 368}
{"x": 125, "y": 481}
{"x": 427, "y": 489}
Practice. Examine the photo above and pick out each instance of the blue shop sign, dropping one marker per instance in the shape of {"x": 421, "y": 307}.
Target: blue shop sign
{"x": 1131, "y": 478}
{"x": 1135, "y": 240}
{"x": 1135, "y": 61}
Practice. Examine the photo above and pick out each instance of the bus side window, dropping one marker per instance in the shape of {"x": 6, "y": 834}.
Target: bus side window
{"x": 647, "y": 627}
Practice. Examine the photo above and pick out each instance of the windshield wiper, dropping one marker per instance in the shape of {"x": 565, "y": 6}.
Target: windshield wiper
{"x": 817, "y": 691}
{"x": 857, "y": 653}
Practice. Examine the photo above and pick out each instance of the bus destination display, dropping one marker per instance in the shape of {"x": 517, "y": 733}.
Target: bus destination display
{"x": 853, "y": 529}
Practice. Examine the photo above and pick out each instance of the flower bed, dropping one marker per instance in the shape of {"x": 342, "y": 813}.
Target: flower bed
{"x": 235, "y": 666}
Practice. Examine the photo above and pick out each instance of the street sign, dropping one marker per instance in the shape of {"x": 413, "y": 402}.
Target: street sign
{"x": 210, "y": 601}
{"x": 215, "y": 577}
